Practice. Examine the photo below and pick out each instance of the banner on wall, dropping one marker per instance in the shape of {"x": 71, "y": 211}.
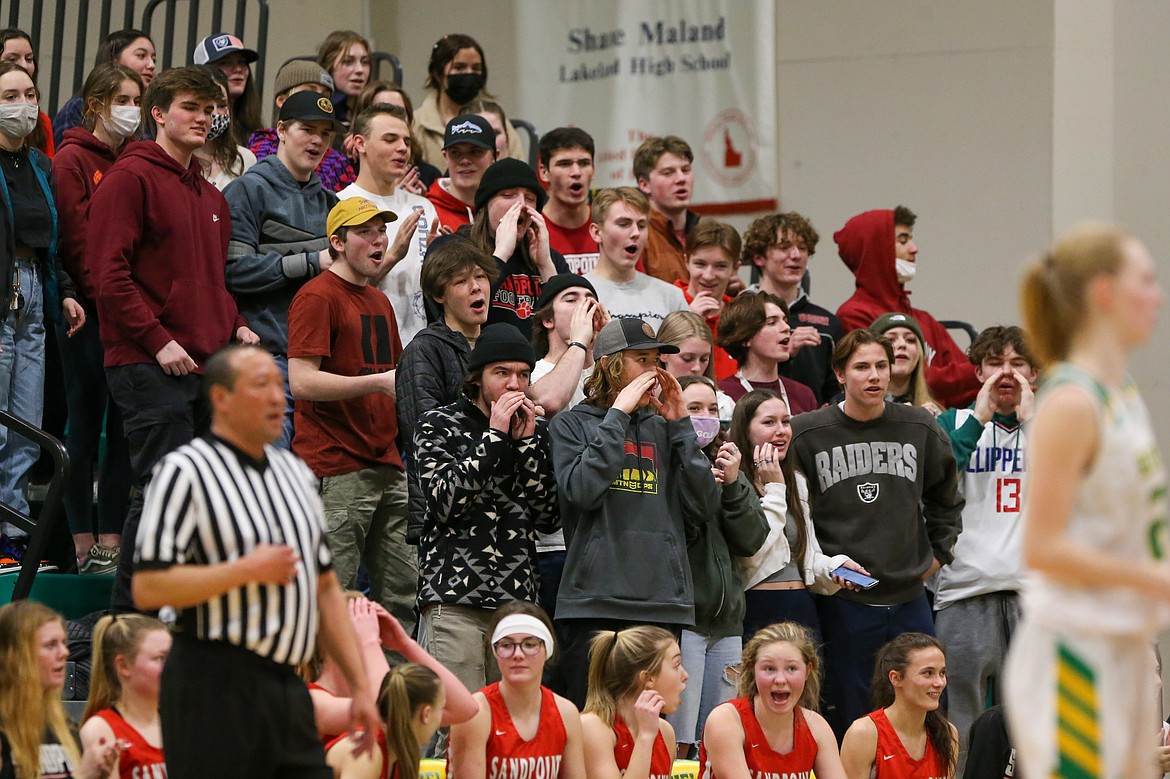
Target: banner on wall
{"x": 624, "y": 70}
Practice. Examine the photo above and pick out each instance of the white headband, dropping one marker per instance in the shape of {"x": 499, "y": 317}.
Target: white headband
{"x": 523, "y": 623}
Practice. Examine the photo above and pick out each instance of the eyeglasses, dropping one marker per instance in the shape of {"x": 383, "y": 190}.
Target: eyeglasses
{"x": 506, "y": 649}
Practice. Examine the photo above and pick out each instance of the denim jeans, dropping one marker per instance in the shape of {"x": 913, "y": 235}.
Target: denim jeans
{"x": 22, "y": 386}
{"x": 854, "y": 632}
{"x": 90, "y": 405}
{"x": 706, "y": 660}
{"x": 286, "y": 435}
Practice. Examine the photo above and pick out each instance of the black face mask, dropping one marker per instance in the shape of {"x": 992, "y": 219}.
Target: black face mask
{"x": 463, "y": 87}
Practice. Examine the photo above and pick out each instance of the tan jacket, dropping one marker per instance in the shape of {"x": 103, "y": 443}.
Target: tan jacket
{"x": 429, "y": 127}
{"x": 665, "y": 258}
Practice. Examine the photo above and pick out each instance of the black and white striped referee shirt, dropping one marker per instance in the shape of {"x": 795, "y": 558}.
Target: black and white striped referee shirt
{"x": 210, "y": 503}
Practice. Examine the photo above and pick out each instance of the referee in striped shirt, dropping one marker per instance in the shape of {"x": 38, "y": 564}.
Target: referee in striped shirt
{"x": 233, "y": 536}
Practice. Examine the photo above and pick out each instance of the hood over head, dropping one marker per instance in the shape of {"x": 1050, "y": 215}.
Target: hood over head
{"x": 866, "y": 246}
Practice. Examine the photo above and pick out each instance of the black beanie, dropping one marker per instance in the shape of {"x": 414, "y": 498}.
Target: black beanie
{"x": 505, "y": 174}
{"x": 558, "y": 284}
{"x": 501, "y": 342}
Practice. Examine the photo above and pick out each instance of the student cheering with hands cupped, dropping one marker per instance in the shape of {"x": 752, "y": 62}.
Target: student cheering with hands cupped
{"x": 1006, "y": 381}
{"x": 514, "y": 414}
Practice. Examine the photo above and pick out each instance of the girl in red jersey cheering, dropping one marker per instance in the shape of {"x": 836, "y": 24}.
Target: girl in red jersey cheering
{"x": 522, "y": 729}
{"x": 908, "y": 737}
{"x": 129, "y": 651}
{"x": 772, "y": 728}
{"x": 635, "y": 675}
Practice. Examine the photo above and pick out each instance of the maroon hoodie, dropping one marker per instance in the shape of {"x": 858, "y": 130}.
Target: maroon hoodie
{"x": 158, "y": 234}
{"x": 80, "y": 164}
{"x": 866, "y": 246}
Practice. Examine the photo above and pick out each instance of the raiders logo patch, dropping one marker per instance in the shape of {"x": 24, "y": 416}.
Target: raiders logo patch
{"x": 868, "y": 492}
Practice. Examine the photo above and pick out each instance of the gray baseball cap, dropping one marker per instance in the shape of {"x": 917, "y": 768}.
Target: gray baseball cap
{"x": 627, "y": 333}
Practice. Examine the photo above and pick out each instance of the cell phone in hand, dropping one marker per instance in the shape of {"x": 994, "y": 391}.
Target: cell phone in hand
{"x": 853, "y": 577}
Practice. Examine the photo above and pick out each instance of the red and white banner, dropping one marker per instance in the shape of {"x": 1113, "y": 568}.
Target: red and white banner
{"x": 624, "y": 70}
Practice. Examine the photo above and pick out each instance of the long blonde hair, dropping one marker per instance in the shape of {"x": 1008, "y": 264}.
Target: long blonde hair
{"x": 1055, "y": 284}
{"x": 27, "y": 708}
{"x": 799, "y": 637}
{"x": 678, "y": 326}
{"x": 405, "y": 689}
{"x": 606, "y": 381}
{"x": 616, "y": 662}
{"x": 115, "y": 635}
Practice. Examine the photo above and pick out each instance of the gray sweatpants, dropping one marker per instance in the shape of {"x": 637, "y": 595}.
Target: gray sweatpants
{"x": 976, "y": 632}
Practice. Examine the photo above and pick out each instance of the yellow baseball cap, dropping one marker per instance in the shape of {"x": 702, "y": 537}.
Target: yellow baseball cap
{"x": 355, "y": 211}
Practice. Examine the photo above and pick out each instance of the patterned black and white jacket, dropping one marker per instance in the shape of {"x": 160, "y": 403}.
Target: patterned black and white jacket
{"x": 486, "y": 496}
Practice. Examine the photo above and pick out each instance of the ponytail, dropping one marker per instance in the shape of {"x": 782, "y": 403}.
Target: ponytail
{"x": 405, "y": 689}
{"x": 616, "y": 662}
{"x": 113, "y": 636}
{"x": 1054, "y": 286}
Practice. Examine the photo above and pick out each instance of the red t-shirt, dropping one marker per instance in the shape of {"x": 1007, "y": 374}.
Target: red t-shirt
{"x": 353, "y": 330}
{"x": 139, "y": 760}
{"x": 892, "y": 761}
{"x": 661, "y": 763}
{"x": 575, "y": 244}
{"x": 725, "y": 364}
{"x": 511, "y": 757}
{"x": 762, "y": 760}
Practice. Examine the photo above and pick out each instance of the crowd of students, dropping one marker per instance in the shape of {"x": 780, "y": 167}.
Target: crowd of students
{"x": 554, "y": 434}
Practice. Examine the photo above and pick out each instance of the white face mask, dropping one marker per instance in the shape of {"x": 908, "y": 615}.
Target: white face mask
{"x": 17, "y": 120}
{"x": 905, "y": 270}
{"x": 123, "y": 121}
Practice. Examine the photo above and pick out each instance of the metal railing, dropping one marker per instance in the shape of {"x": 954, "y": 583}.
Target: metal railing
{"x": 48, "y": 21}
{"x": 40, "y": 529}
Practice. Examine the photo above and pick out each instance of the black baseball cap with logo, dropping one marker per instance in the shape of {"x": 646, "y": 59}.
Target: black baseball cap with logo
{"x": 469, "y": 128}
{"x": 309, "y": 106}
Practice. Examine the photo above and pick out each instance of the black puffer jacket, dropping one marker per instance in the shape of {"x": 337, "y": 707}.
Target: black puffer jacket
{"x": 430, "y": 372}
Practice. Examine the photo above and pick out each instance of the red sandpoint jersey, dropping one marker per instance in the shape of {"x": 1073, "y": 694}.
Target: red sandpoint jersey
{"x": 511, "y": 757}
{"x": 762, "y": 760}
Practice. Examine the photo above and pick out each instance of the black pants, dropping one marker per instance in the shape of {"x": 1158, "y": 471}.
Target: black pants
{"x": 159, "y": 414}
{"x": 227, "y": 712}
{"x": 573, "y": 661}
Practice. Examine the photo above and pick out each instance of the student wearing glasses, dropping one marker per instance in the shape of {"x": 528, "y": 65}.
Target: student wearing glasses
{"x": 522, "y": 728}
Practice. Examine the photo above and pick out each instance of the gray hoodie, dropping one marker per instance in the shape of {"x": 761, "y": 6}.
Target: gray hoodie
{"x": 629, "y": 486}
{"x": 278, "y": 229}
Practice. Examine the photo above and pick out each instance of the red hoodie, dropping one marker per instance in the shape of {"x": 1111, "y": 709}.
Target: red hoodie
{"x": 81, "y": 162}
{"x": 725, "y": 364}
{"x": 453, "y": 212}
{"x": 866, "y": 246}
{"x": 158, "y": 236}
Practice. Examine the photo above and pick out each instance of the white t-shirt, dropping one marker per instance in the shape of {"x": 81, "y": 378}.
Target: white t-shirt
{"x": 401, "y": 284}
{"x": 555, "y": 541}
{"x": 644, "y": 297}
